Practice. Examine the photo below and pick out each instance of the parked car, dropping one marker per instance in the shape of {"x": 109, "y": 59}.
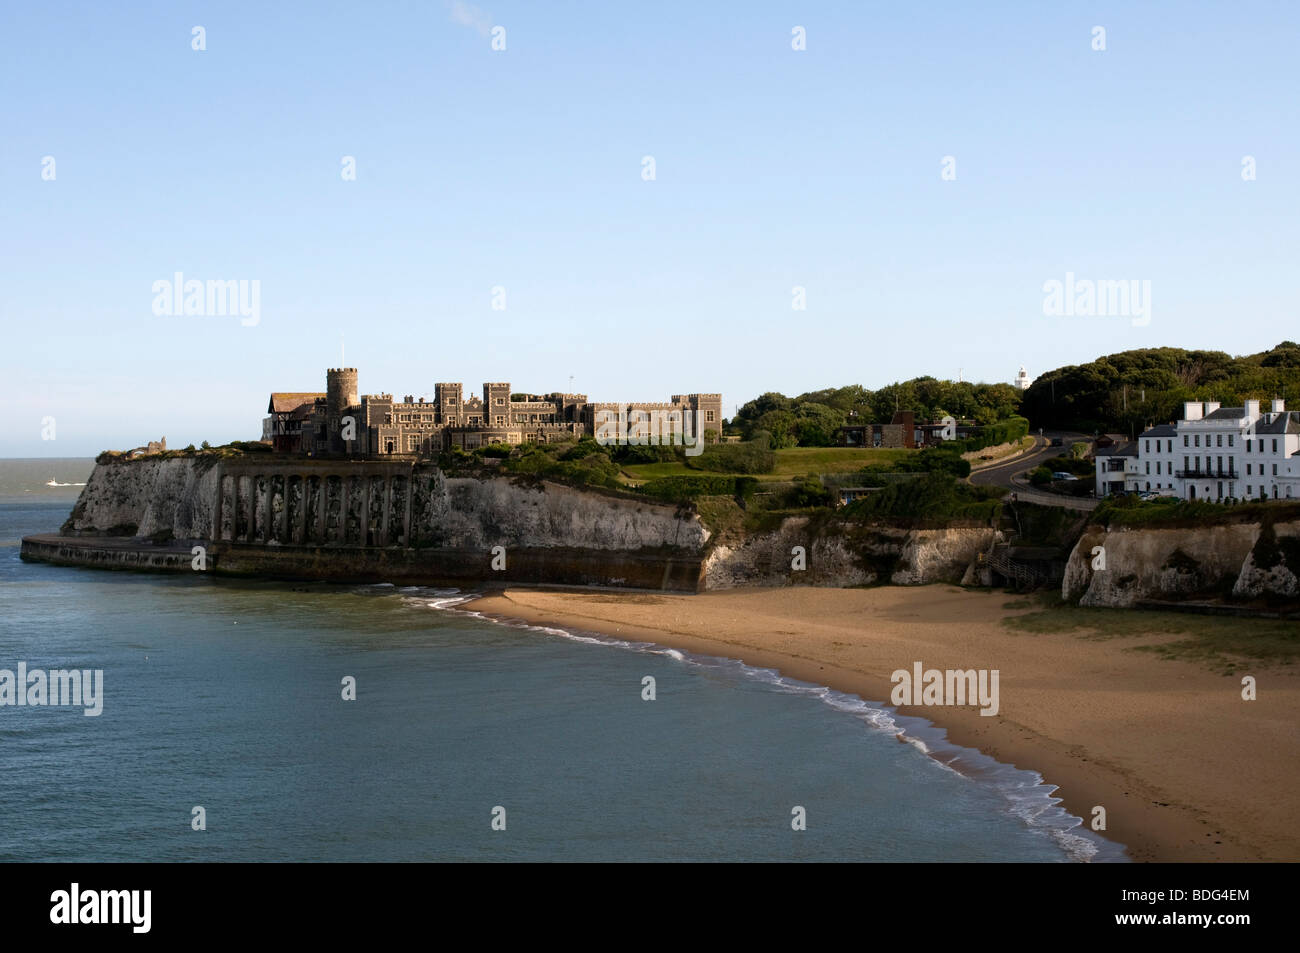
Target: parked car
{"x": 1062, "y": 475}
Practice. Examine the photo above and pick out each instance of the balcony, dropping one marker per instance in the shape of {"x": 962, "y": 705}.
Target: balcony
{"x": 1230, "y": 474}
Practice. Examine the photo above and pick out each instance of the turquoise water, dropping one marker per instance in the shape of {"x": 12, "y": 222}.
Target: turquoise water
{"x": 228, "y": 696}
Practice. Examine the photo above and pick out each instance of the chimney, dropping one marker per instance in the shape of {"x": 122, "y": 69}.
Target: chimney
{"x": 1252, "y": 409}
{"x": 1192, "y": 410}
{"x": 1211, "y": 406}
{"x": 1279, "y": 406}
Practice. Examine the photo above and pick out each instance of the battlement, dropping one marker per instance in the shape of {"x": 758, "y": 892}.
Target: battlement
{"x": 342, "y": 422}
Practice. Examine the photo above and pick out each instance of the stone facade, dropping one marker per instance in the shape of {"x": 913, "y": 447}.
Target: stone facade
{"x": 341, "y": 422}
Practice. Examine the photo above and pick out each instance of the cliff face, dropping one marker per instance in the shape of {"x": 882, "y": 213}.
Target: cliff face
{"x": 178, "y": 497}
{"x": 315, "y": 519}
{"x": 146, "y": 497}
{"x": 470, "y": 513}
{"x": 845, "y": 554}
{"x": 1242, "y": 560}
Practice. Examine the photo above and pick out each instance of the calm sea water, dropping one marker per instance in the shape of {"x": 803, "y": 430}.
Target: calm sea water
{"x": 228, "y": 696}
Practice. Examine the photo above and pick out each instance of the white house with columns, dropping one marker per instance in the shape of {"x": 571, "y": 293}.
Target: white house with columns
{"x": 1213, "y": 453}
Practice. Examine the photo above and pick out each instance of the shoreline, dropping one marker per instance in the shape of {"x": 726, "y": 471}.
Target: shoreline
{"x": 1081, "y": 713}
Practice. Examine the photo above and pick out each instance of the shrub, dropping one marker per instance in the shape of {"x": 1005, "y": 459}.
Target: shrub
{"x": 751, "y": 457}
{"x": 683, "y": 489}
{"x": 941, "y": 460}
{"x": 643, "y": 454}
{"x": 807, "y": 492}
{"x": 933, "y": 496}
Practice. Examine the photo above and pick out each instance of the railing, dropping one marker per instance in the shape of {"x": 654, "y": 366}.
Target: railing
{"x": 1229, "y": 474}
{"x": 1023, "y": 576}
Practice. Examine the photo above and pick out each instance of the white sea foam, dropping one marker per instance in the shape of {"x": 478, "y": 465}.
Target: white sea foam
{"x": 1029, "y": 798}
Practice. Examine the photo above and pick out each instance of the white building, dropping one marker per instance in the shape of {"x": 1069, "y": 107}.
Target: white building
{"x": 1211, "y": 454}
{"x": 1023, "y": 380}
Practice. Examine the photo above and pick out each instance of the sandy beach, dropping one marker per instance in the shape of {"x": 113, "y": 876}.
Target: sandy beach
{"x": 1185, "y": 769}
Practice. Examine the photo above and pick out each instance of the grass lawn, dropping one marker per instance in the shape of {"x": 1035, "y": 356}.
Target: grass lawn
{"x": 800, "y": 460}
{"x": 794, "y": 462}
{"x": 1222, "y": 643}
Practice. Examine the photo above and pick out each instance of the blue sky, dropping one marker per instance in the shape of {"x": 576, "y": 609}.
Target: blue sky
{"x": 522, "y": 169}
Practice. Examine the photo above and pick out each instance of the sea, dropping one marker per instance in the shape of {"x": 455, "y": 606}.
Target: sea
{"x": 225, "y": 735}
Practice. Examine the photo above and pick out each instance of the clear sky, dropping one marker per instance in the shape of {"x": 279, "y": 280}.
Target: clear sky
{"x": 522, "y": 169}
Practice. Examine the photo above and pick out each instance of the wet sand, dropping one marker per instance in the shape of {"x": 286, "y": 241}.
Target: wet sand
{"x": 1185, "y": 769}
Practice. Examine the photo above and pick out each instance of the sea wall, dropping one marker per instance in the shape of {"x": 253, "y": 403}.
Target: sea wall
{"x": 1233, "y": 561}
{"x": 840, "y": 554}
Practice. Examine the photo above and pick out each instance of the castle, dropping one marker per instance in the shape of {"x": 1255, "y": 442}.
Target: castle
{"x": 340, "y": 421}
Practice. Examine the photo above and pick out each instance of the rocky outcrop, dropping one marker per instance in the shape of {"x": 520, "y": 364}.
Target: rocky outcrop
{"x": 1123, "y": 566}
{"x": 845, "y": 554}
{"x": 146, "y": 498}
{"x": 939, "y": 555}
{"x": 1272, "y": 569}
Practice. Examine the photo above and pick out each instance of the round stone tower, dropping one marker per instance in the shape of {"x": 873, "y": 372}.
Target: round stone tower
{"x": 340, "y": 391}
{"x": 340, "y": 397}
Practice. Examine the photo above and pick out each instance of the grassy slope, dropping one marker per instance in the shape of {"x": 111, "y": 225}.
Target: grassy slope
{"x": 793, "y": 462}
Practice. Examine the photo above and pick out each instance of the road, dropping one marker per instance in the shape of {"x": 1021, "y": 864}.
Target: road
{"x": 1002, "y": 474}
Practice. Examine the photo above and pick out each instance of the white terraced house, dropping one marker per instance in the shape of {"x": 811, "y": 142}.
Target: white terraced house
{"x": 1213, "y": 453}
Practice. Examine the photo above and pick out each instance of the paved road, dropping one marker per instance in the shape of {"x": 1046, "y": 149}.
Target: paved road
{"x": 1003, "y": 474}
